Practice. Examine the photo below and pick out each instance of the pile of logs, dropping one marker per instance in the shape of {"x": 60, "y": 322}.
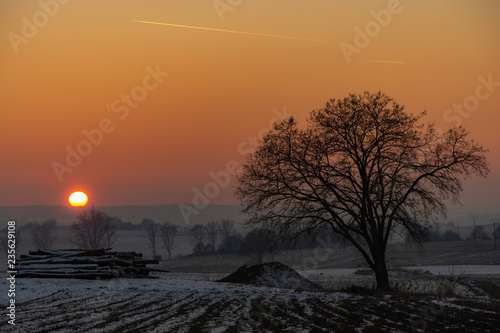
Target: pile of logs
{"x": 84, "y": 264}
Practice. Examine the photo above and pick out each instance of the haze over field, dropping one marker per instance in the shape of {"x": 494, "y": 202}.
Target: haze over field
{"x": 135, "y": 214}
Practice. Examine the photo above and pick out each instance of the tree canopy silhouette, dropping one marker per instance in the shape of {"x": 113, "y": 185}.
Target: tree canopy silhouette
{"x": 362, "y": 167}
{"x": 44, "y": 234}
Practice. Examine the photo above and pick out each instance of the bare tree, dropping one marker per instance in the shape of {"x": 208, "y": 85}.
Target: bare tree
{"x": 231, "y": 244}
{"x": 94, "y": 230}
{"x": 362, "y": 167}
{"x": 227, "y": 231}
{"x": 479, "y": 233}
{"x": 167, "y": 234}
{"x": 198, "y": 234}
{"x": 44, "y": 234}
{"x": 151, "y": 233}
{"x": 212, "y": 229}
{"x": 226, "y": 228}
{"x": 258, "y": 242}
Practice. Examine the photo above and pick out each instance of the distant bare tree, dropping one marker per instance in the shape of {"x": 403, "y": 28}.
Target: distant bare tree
{"x": 151, "y": 233}
{"x": 258, "y": 242}
{"x": 479, "y": 233}
{"x": 199, "y": 249}
{"x": 212, "y": 229}
{"x": 94, "y": 230}
{"x": 167, "y": 234}
{"x": 198, "y": 233}
{"x": 227, "y": 231}
{"x": 44, "y": 234}
{"x": 231, "y": 244}
{"x": 226, "y": 228}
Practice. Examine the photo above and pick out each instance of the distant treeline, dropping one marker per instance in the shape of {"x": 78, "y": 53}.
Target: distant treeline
{"x": 453, "y": 232}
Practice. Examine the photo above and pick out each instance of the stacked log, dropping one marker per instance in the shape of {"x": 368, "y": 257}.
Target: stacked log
{"x": 84, "y": 264}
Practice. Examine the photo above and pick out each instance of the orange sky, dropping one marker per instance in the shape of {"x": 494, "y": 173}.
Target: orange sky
{"x": 60, "y": 78}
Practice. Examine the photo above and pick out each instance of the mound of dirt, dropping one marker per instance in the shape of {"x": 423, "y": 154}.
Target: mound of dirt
{"x": 273, "y": 274}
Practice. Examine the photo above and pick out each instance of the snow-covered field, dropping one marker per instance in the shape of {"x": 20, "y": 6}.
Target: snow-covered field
{"x": 193, "y": 302}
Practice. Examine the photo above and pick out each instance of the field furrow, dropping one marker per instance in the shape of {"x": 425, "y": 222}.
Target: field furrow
{"x": 204, "y": 306}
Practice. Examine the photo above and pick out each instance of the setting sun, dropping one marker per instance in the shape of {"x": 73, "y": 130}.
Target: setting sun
{"x": 78, "y": 199}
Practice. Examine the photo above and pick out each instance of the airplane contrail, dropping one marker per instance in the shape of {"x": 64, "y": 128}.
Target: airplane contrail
{"x": 385, "y": 61}
{"x": 236, "y": 32}
{"x": 259, "y": 34}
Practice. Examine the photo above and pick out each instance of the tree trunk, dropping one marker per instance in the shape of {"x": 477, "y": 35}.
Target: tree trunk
{"x": 381, "y": 274}
{"x": 382, "y": 277}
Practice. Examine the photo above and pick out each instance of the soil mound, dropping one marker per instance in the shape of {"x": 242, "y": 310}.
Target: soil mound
{"x": 273, "y": 274}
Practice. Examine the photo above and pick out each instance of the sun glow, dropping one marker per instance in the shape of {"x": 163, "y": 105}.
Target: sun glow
{"x": 78, "y": 199}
